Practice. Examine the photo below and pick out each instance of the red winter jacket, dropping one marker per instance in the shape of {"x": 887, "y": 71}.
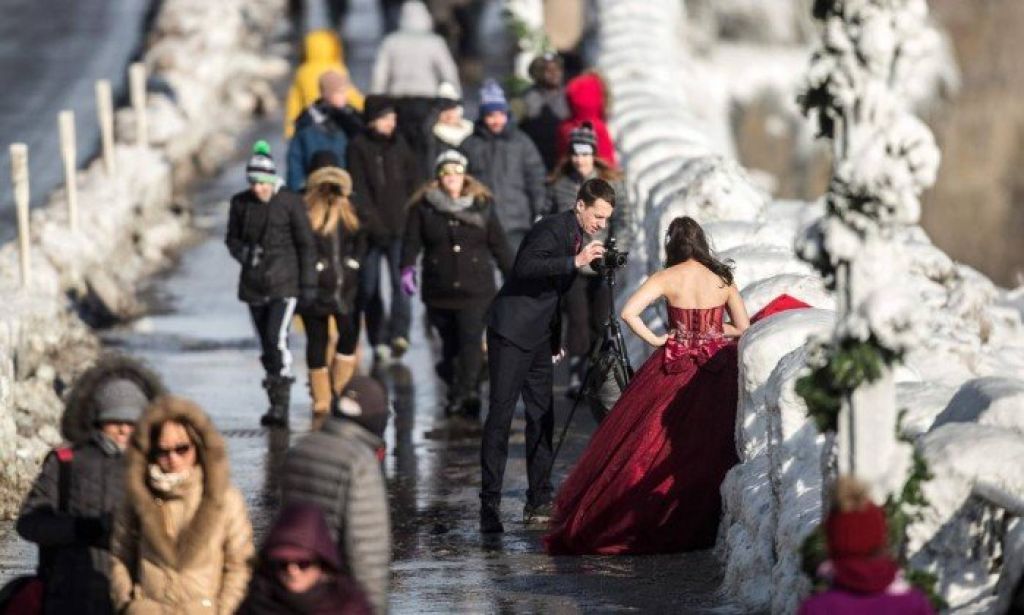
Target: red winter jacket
{"x": 586, "y": 97}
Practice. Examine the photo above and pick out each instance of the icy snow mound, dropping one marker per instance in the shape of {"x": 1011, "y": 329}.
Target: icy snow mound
{"x": 671, "y": 126}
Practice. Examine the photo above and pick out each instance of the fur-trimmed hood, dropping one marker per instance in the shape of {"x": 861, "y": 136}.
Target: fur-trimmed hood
{"x": 211, "y": 455}
{"x": 79, "y": 419}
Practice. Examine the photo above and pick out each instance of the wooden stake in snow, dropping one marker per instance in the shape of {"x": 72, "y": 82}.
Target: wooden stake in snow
{"x": 66, "y": 120}
{"x": 137, "y": 88}
{"x": 105, "y": 111}
{"x": 19, "y": 180}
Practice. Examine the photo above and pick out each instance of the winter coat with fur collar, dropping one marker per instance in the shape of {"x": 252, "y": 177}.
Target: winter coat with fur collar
{"x": 189, "y": 550}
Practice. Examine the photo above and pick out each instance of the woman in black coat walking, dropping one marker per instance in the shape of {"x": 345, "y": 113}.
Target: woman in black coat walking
{"x": 340, "y": 245}
{"x": 453, "y": 222}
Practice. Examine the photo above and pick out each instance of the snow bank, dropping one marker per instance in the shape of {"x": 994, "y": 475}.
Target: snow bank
{"x": 673, "y": 84}
{"x": 130, "y": 221}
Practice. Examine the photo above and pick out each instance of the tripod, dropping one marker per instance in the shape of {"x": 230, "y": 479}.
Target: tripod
{"x": 606, "y": 354}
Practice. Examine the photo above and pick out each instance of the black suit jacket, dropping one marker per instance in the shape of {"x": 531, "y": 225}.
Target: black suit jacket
{"x": 527, "y": 309}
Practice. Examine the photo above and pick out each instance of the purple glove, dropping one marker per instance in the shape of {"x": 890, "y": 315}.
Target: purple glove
{"x": 409, "y": 286}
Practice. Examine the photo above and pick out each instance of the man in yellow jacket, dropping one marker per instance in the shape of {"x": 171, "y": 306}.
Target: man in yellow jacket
{"x": 322, "y": 53}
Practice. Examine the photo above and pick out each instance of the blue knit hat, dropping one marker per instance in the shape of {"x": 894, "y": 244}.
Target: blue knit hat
{"x": 492, "y": 98}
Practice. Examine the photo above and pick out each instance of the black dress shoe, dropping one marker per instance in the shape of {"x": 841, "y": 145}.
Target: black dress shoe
{"x": 490, "y": 519}
{"x": 536, "y": 514}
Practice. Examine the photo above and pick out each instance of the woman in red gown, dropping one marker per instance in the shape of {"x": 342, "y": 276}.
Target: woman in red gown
{"x": 649, "y": 479}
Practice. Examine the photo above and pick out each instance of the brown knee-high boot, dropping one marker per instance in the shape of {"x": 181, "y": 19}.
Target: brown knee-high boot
{"x": 320, "y": 391}
{"x": 342, "y": 368}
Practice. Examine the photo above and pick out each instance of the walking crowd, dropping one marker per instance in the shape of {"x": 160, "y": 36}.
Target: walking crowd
{"x": 386, "y": 196}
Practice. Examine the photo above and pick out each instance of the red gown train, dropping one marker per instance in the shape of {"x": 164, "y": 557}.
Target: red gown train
{"x": 648, "y": 481}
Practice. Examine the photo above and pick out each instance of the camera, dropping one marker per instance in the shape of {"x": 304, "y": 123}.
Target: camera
{"x": 612, "y": 259}
{"x": 252, "y": 255}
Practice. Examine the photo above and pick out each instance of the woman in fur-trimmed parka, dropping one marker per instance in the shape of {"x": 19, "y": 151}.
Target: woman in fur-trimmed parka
{"x": 183, "y": 541}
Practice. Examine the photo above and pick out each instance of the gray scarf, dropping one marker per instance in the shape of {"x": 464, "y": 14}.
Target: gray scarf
{"x": 461, "y": 209}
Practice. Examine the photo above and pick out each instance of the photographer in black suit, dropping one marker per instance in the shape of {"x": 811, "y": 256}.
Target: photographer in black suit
{"x": 524, "y": 335}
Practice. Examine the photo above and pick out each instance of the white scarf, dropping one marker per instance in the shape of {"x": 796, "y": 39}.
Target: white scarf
{"x": 166, "y": 482}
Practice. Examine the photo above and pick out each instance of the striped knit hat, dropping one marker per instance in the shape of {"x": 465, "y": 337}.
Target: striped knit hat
{"x": 260, "y": 168}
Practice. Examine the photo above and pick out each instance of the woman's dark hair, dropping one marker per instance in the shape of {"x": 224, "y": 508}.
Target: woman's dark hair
{"x": 685, "y": 240}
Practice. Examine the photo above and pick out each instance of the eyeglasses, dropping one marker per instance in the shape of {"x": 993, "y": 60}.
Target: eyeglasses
{"x": 284, "y": 565}
{"x": 180, "y": 450}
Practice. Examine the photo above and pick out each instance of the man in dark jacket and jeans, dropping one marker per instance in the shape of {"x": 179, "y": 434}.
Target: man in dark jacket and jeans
{"x": 269, "y": 234}
{"x": 338, "y": 469}
{"x": 508, "y": 163}
{"x": 70, "y": 509}
{"x": 384, "y": 173}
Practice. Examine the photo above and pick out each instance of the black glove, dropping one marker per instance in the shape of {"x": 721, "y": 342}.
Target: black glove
{"x": 91, "y": 530}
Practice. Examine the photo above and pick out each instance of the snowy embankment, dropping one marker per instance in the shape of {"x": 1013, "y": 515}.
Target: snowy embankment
{"x": 962, "y": 388}
{"x": 214, "y": 71}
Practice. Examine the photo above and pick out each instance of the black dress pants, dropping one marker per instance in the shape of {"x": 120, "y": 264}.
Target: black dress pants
{"x": 514, "y": 371}
{"x": 461, "y": 332}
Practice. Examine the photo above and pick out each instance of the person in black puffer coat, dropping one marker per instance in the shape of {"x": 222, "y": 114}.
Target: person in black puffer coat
{"x": 74, "y": 536}
{"x": 299, "y": 570}
{"x": 452, "y": 220}
{"x": 341, "y": 245}
{"x": 384, "y": 175}
{"x": 588, "y": 301}
{"x": 270, "y": 236}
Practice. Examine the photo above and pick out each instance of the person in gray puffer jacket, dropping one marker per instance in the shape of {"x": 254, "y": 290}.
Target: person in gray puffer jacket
{"x": 338, "y": 469}
{"x": 70, "y": 508}
{"x": 508, "y": 163}
{"x": 413, "y": 61}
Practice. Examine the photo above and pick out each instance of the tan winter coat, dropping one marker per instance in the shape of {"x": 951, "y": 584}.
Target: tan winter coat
{"x": 189, "y": 550}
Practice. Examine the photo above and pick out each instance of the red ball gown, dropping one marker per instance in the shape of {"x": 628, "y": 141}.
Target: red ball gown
{"x": 649, "y": 479}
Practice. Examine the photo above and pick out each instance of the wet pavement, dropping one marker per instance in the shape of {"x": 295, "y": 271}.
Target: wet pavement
{"x": 200, "y": 340}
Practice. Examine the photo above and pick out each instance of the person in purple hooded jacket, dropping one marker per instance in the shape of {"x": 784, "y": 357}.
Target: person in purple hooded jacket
{"x": 299, "y": 570}
{"x": 864, "y": 577}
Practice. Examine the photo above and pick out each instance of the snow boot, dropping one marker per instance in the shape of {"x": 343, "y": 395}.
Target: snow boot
{"x": 279, "y": 389}
{"x": 342, "y": 368}
{"x": 320, "y": 391}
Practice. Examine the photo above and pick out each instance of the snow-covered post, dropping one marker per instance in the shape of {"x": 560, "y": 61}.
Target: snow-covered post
{"x": 884, "y": 158}
{"x": 105, "y": 113}
{"x": 66, "y": 122}
{"x": 19, "y": 180}
{"x": 137, "y": 93}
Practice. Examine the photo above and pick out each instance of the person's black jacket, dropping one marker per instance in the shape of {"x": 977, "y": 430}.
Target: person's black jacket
{"x": 74, "y": 556}
{"x": 288, "y": 262}
{"x": 338, "y": 257}
{"x": 457, "y": 246}
{"x": 527, "y": 309}
{"x": 384, "y": 173}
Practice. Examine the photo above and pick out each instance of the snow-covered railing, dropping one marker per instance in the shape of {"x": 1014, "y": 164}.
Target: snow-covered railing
{"x": 670, "y": 123}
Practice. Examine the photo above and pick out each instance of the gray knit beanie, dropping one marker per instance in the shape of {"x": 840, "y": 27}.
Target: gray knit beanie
{"x": 119, "y": 400}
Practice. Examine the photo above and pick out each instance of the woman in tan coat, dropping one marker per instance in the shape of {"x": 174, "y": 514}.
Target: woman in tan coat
{"x": 183, "y": 542}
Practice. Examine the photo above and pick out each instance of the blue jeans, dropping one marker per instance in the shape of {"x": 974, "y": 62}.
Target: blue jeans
{"x": 379, "y": 328}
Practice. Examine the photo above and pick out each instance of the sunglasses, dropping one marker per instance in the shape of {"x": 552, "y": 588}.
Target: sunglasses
{"x": 284, "y": 565}
{"x": 181, "y": 450}
{"x": 451, "y": 169}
